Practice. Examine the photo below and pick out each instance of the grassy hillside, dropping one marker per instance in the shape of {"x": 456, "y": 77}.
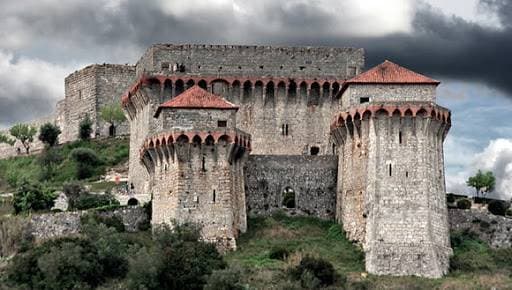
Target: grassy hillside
{"x": 479, "y": 266}
{"x": 111, "y": 152}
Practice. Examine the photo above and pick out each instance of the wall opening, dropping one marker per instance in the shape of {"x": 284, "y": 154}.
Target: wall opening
{"x": 314, "y": 95}
{"x": 202, "y": 84}
{"x": 333, "y": 149}
{"x": 269, "y": 94}
{"x": 111, "y": 130}
{"x": 247, "y": 91}
{"x": 292, "y": 92}
{"x": 400, "y": 137}
{"x": 190, "y": 83}
{"x": 235, "y": 91}
{"x": 363, "y": 100}
{"x": 214, "y": 197}
{"x": 288, "y": 197}
{"x": 167, "y": 93}
{"x": 335, "y": 89}
{"x": 303, "y": 91}
{"x": 407, "y": 174}
{"x": 390, "y": 170}
{"x": 314, "y": 150}
{"x": 133, "y": 201}
{"x": 286, "y": 130}
{"x": 203, "y": 164}
{"x": 222, "y": 123}
{"x": 325, "y": 91}
{"x": 179, "y": 87}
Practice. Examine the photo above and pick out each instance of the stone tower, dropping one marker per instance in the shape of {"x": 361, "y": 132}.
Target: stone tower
{"x": 391, "y": 187}
{"x": 195, "y": 162}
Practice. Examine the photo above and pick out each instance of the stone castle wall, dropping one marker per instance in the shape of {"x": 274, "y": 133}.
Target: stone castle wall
{"x": 312, "y": 178}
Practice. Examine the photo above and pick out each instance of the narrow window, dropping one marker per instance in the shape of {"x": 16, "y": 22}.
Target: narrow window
{"x": 214, "y": 196}
{"x": 165, "y": 65}
{"x": 407, "y": 174}
{"x": 222, "y": 123}
{"x": 203, "y": 164}
{"x": 79, "y": 94}
{"x": 390, "y": 172}
{"x": 364, "y": 100}
{"x": 315, "y": 150}
{"x": 302, "y": 67}
{"x": 400, "y": 137}
{"x": 282, "y": 130}
{"x": 261, "y": 67}
{"x": 333, "y": 149}
{"x": 286, "y": 130}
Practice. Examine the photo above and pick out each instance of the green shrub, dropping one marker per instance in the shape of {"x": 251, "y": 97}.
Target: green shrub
{"x": 85, "y": 160}
{"x": 227, "y": 279}
{"x": 88, "y": 201}
{"x": 32, "y": 197}
{"x": 112, "y": 221}
{"x": 509, "y": 212}
{"x": 463, "y": 203}
{"x": 498, "y": 207}
{"x": 48, "y": 161}
{"x": 311, "y": 268}
{"x": 450, "y": 198}
{"x": 470, "y": 253}
{"x": 179, "y": 260}
{"x": 85, "y": 128}
{"x": 49, "y": 134}
{"x": 279, "y": 253}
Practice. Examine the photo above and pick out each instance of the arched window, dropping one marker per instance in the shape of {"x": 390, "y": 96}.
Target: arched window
{"x": 325, "y": 91}
{"x": 133, "y": 201}
{"x": 314, "y": 95}
{"x": 288, "y": 197}
{"x": 281, "y": 91}
{"x": 292, "y": 92}
{"x": 167, "y": 94}
{"x": 303, "y": 91}
{"x": 247, "y": 91}
{"x": 269, "y": 94}
{"x": 209, "y": 140}
{"x": 335, "y": 89}
{"x": 202, "y": 84}
{"x": 190, "y": 83}
{"x": 180, "y": 87}
{"x": 235, "y": 91}
{"x": 258, "y": 90}
{"x": 196, "y": 140}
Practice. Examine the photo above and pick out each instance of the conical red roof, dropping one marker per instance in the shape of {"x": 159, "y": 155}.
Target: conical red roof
{"x": 390, "y": 73}
{"x": 197, "y": 98}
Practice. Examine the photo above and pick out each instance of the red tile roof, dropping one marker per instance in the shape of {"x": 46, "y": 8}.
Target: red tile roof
{"x": 390, "y": 73}
{"x": 197, "y": 98}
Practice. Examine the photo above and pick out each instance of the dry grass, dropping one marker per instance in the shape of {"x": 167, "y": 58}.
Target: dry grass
{"x": 13, "y": 231}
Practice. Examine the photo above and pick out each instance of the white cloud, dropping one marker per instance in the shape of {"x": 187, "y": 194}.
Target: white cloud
{"x": 496, "y": 157}
{"x": 470, "y": 10}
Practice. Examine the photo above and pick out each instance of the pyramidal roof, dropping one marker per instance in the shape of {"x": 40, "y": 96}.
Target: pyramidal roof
{"x": 390, "y": 73}
{"x": 197, "y": 98}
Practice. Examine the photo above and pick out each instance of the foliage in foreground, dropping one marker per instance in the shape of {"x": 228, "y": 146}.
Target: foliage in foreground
{"x": 33, "y": 197}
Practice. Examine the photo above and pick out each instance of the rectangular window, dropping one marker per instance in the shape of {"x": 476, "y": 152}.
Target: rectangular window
{"x": 364, "y": 100}
{"x": 390, "y": 170}
{"x": 222, "y": 123}
{"x": 165, "y": 65}
{"x": 400, "y": 137}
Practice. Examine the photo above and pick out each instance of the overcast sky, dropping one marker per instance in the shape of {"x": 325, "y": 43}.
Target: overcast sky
{"x": 463, "y": 43}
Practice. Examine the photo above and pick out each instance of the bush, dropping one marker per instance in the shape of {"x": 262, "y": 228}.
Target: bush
{"x": 463, "y": 203}
{"x": 14, "y": 235}
{"x": 113, "y": 221}
{"x": 179, "y": 260}
{"x": 509, "y": 212}
{"x": 311, "y": 268}
{"x": 450, "y": 198}
{"x": 49, "y": 134}
{"x": 470, "y": 253}
{"x": 227, "y": 279}
{"x": 498, "y": 207}
{"x": 32, "y": 197}
{"x": 279, "y": 253}
{"x": 48, "y": 160}
{"x": 73, "y": 190}
{"x": 85, "y": 128}
{"x": 85, "y": 160}
{"x": 88, "y": 201}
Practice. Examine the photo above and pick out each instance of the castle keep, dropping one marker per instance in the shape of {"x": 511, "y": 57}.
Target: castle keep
{"x": 220, "y": 132}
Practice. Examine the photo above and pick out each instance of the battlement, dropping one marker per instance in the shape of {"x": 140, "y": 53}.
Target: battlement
{"x": 246, "y": 60}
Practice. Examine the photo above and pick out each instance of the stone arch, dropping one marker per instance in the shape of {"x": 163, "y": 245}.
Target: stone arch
{"x": 303, "y": 91}
{"x": 247, "y": 91}
{"x": 325, "y": 90}
{"x": 382, "y": 112}
{"x": 167, "y": 93}
{"x": 397, "y": 113}
{"x": 335, "y": 89}
{"x": 281, "y": 90}
{"x": 292, "y": 92}
{"x": 258, "y": 89}
{"x": 235, "y": 90}
{"x": 202, "y": 84}
{"x": 421, "y": 113}
{"x": 288, "y": 197}
{"x": 179, "y": 87}
{"x": 133, "y": 201}
{"x": 197, "y": 140}
{"x": 408, "y": 113}
{"x": 314, "y": 95}
{"x": 154, "y": 86}
{"x": 209, "y": 141}
{"x": 224, "y": 140}
{"x": 367, "y": 114}
{"x": 220, "y": 87}
{"x": 190, "y": 83}
{"x": 151, "y": 144}
{"x": 182, "y": 139}
{"x": 269, "y": 93}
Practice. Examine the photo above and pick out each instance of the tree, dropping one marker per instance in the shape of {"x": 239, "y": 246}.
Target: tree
{"x": 25, "y": 134}
{"x": 85, "y": 128}
{"x": 6, "y": 140}
{"x": 32, "y": 197}
{"x": 482, "y": 182}
{"x": 49, "y": 134}
{"x": 86, "y": 161}
{"x": 112, "y": 114}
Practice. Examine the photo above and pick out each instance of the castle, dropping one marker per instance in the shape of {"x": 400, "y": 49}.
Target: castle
{"x": 220, "y": 132}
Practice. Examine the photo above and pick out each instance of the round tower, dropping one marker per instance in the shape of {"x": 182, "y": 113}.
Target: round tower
{"x": 195, "y": 162}
{"x": 391, "y": 187}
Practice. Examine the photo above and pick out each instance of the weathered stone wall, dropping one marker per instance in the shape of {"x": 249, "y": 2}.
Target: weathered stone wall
{"x": 227, "y": 60}
{"x": 53, "y": 225}
{"x": 391, "y": 189}
{"x": 495, "y": 230}
{"x": 90, "y": 88}
{"x": 312, "y": 178}
{"x": 387, "y": 93}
